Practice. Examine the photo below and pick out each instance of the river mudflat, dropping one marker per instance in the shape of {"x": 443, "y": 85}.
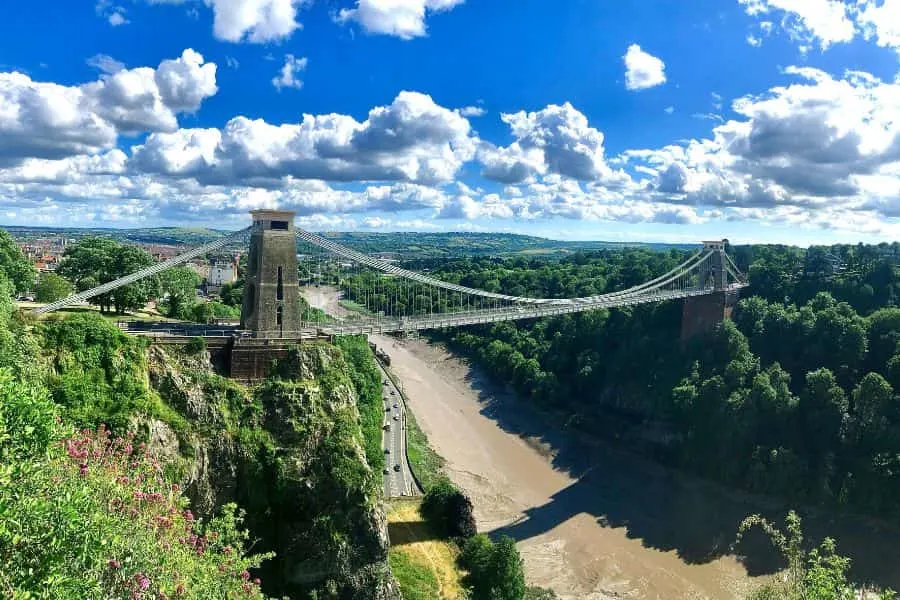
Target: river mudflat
{"x": 591, "y": 521}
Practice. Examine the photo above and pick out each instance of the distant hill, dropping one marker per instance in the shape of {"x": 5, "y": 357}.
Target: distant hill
{"x": 404, "y": 244}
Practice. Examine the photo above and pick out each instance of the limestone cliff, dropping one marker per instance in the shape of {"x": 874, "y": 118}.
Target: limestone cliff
{"x": 290, "y": 452}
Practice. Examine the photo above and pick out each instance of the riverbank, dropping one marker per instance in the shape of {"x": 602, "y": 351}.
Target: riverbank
{"x": 595, "y": 522}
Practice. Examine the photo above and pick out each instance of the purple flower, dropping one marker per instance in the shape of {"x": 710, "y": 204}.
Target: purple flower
{"x": 142, "y": 581}
{"x": 113, "y": 563}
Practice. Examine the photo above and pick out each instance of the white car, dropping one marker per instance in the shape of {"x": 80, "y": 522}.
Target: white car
{"x": 396, "y": 417}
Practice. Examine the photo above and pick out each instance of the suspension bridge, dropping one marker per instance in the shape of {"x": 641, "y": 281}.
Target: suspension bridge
{"x": 390, "y": 298}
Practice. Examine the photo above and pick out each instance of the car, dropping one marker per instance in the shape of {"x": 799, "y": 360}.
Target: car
{"x": 396, "y": 417}
{"x": 386, "y": 471}
{"x": 384, "y": 382}
{"x": 397, "y": 468}
{"x": 387, "y": 409}
{"x": 396, "y": 406}
{"x": 387, "y": 450}
{"x": 387, "y": 427}
{"x": 393, "y": 393}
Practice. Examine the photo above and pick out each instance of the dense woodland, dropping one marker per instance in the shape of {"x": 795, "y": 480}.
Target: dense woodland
{"x": 795, "y": 397}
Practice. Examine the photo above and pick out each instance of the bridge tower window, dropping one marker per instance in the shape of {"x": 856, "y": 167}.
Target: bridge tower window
{"x": 279, "y": 225}
{"x": 279, "y": 316}
{"x": 279, "y": 290}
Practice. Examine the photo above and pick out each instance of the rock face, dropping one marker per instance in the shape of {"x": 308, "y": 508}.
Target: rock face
{"x": 289, "y": 452}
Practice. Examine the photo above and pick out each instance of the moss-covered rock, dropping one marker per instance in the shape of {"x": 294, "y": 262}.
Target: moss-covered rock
{"x": 290, "y": 452}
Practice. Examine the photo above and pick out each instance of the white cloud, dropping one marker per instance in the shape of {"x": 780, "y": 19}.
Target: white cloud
{"x": 557, "y": 139}
{"x": 642, "y": 70}
{"x": 824, "y": 21}
{"x": 669, "y": 110}
{"x": 289, "y": 76}
{"x": 400, "y": 18}
{"x": 820, "y": 146}
{"x": 754, "y": 40}
{"x": 254, "y": 21}
{"x": 47, "y": 120}
{"x": 412, "y": 139}
{"x": 106, "y": 64}
{"x": 472, "y": 111}
{"x": 881, "y": 21}
{"x": 117, "y": 18}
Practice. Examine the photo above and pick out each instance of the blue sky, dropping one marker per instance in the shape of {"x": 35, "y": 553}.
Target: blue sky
{"x": 757, "y": 120}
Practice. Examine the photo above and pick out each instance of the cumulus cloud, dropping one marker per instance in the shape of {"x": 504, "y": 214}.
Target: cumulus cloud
{"x": 824, "y": 21}
{"x": 47, "y": 120}
{"x": 642, "y": 70}
{"x": 413, "y": 139}
{"x": 818, "y": 144}
{"x": 404, "y": 19}
{"x": 254, "y": 21}
{"x": 557, "y": 139}
{"x": 881, "y": 22}
{"x": 289, "y": 76}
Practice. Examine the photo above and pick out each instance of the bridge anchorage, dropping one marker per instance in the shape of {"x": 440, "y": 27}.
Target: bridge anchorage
{"x": 286, "y": 263}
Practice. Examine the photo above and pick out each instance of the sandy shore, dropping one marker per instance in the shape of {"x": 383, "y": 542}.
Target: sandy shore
{"x": 608, "y": 529}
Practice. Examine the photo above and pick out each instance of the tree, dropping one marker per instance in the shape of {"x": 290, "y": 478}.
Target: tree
{"x": 13, "y": 262}
{"x": 449, "y": 510}
{"x": 871, "y": 406}
{"x": 179, "y": 285}
{"x": 95, "y": 260}
{"x": 51, "y": 287}
{"x": 815, "y": 574}
{"x": 495, "y": 569}
{"x": 823, "y": 411}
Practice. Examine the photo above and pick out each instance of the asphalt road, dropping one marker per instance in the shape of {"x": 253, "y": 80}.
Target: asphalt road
{"x": 396, "y": 482}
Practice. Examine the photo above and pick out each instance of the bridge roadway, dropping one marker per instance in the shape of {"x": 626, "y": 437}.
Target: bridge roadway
{"x": 434, "y": 321}
{"x": 475, "y": 317}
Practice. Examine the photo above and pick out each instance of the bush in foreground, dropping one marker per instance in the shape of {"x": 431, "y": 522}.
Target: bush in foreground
{"x": 817, "y": 574}
{"x": 90, "y": 516}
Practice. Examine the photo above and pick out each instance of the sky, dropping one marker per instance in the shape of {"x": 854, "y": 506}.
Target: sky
{"x": 752, "y": 120}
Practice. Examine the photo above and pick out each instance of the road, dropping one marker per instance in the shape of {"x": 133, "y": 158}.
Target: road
{"x": 397, "y": 482}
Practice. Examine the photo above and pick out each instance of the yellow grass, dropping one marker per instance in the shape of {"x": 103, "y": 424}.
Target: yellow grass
{"x": 415, "y": 547}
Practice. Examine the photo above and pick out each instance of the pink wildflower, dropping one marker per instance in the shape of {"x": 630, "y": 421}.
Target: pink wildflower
{"x": 113, "y": 563}
{"x": 142, "y": 581}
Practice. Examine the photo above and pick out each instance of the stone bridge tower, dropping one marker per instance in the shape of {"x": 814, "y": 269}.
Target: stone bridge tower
{"x": 271, "y": 306}
{"x": 702, "y": 313}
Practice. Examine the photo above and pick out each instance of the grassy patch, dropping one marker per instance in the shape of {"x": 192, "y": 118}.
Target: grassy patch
{"x": 425, "y": 463}
{"x": 417, "y": 581}
{"x": 424, "y": 565}
{"x": 354, "y": 307}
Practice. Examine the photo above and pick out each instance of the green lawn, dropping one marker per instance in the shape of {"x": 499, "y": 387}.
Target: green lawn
{"x": 417, "y": 581}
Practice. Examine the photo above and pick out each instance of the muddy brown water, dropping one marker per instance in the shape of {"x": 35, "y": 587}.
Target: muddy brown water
{"x": 593, "y": 522}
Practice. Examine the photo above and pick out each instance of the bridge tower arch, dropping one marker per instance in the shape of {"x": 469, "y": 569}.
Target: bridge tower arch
{"x": 271, "y": 304}
{"x": 702, "y": 313}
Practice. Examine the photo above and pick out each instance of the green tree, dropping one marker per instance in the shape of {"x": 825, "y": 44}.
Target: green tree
{"x": 179, "y": 286}
{"x": 449, "y": 510}
{"x": 18, "y": 269}
{"x": 95, "y": 260}
{"x": 823, "y": 411}
{"x": 872, "y": 403}
{"x": 51, "y": 287}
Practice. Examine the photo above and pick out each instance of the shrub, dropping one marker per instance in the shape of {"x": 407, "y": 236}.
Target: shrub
{"x": 449, "y": 510}
{"x": 93, "y": 517}
{"x": 195, "y": 345}
{"x": 495, "y": 569}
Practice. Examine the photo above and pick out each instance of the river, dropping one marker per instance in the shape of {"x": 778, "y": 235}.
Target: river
{"x": 596, "y": 523}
